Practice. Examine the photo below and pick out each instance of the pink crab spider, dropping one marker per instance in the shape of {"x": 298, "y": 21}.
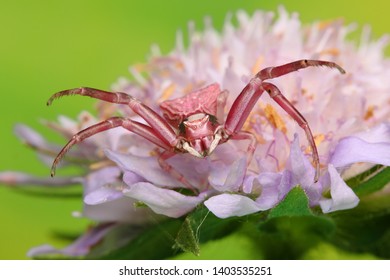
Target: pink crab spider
{"x": 194, "y": 123}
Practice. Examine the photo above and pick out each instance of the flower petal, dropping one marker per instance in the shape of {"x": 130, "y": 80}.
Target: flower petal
{"x": 303, "y": 171}
{"x": 102, "y": 195}
{"x": 163, "y": 201}
{"x": 229, "y": 205}
{"x": 146, "y": 167}
{"x": 379, "y": 133}
{"x": 342, "y": 195}
{"x": 275, "y": 186}
{"x": 13, "y": 178}
{"x": 353, "y": 149}
{"x": 80, "y": 247}
{"x": 105, "y": 176}
{"x": 119, "y": 210}
{"x": 228, "y": 177}
{"x": 104, "y": 200}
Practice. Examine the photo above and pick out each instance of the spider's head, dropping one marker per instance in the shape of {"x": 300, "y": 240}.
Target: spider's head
{"x": 199, "y": 132}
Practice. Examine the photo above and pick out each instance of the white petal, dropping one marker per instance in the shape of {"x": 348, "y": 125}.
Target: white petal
{"x": 342, "y": 196}
{"x": 229, "y": 205}
{"x": 380, "y": 133}
{"x": 163, "y": 201}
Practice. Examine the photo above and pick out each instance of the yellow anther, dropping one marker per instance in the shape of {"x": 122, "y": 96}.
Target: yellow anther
{"x": 215, "y": 57}
{"x": 318, "y": 139}
{"x": 330, "y": 51}
{"x": 100, "y": 164}
{"x": 258, "y": 62}
{"x": 153, "y": 153}
{"x": 274, "y": 118}
{"x": 167, "y": 92}
{"x": 327, "y": 23}
{"x": 369, "y": 113}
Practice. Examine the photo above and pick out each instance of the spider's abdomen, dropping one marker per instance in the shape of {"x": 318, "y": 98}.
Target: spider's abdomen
{"x": 204, "y": 100}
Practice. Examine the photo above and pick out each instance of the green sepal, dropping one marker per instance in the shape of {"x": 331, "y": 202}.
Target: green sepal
{"x": 374, "y": 183}
{"x": 296, "y": 203}
{"x": 201, "y": 226}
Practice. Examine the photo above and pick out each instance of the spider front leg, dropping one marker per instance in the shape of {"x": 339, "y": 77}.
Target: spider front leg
{"x": 283, "y": 102}
{"x": 162, "y": 161}
{"x": 277, "y": 71}
{"x": 133, "y": 126}
{"x": 245, "y": 102}
{"x": 248, "y": 97}
{"x": 155, "y": 121}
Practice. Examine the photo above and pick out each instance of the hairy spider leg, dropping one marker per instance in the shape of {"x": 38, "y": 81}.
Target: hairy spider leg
{"x": 155, "y": 121}
{"x": 248, "y": 97}
{"x": 277, "y": 71}
{"x": 133, "y": 126}
{"x": 286, "y": 105}
{"x": 159, "y": 132}
{"x": 162, "y": 160}
{"x": 246, "y": 135}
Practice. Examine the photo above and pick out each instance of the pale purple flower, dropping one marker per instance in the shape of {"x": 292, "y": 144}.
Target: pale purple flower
{"x": 340, "y": 110}
{"x": 348, "y": 115}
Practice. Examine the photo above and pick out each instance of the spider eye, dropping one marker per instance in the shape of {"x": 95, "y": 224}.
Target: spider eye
{"x": 213, "y": 119}
{"x": 182, "y": 128}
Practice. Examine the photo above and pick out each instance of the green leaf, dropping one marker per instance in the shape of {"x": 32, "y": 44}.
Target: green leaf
{"x": 291, "y": 228}
{"x": 327, "y": 251}
{"x": 154, "y": 242}
{"x": 358, "y": 179}
{"x": 166, "y": 238}
{"x": 236, "y": 246}
{"x": 186, "y": 240}
{"x": 374, "y": 183}
{"x": 291, "y": 237}
{"x": 296, "y": 203}
{"x": 365, "y": 228}
{"x": 201, "y": 226}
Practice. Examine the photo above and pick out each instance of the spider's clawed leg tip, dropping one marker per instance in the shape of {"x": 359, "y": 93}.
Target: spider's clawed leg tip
{"x": 342, "y": 71}
{"x": 51, "y": 99}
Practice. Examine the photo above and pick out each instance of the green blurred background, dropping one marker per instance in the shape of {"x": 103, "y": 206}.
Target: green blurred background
{"x": 48, "y": 46}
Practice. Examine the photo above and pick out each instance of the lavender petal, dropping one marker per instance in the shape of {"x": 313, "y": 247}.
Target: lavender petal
{"x": 146, "y": 167}
{"x": 353, "y": 149}
{"x": 80, "y": 247}
{"x": 163, "y": 201}
{"x": 228, "y": 178}
{"x": 342, "y": 195}
{"x": 12, "y": 178}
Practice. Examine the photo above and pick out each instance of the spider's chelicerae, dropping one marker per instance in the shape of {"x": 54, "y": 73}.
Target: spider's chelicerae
{"x": 193, "y": 123}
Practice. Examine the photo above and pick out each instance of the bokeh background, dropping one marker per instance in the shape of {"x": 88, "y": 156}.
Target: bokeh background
{"x": 47, "y": 46}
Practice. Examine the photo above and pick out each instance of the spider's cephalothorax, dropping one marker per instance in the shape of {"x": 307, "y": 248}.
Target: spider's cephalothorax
{"x": 194, "y": 123}
{"x": 197, "y": 116}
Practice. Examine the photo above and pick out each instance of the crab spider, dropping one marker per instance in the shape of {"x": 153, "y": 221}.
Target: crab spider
{"x": 193, "y": 123}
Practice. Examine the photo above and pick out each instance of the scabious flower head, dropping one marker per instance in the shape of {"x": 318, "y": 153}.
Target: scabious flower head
{"x": 335, "y": 107}
{"x": 348, "y": 115}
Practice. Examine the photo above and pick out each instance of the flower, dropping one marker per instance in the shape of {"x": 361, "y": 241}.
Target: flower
{"x": 336, "y": 107}
{"x": 348, "y": 115}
